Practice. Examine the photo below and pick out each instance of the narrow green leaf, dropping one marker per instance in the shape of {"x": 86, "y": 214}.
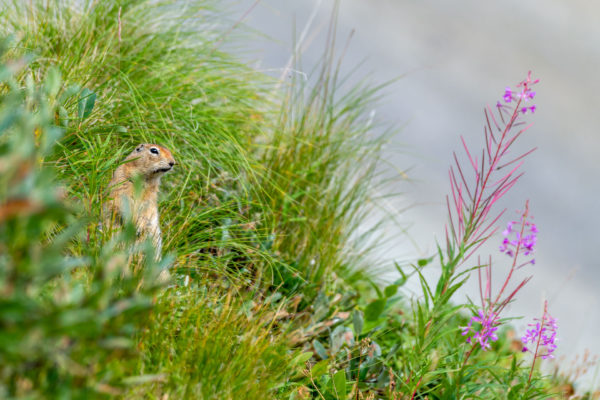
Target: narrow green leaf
{"x": 513, "y": 365}
{"x": 425, "y": 286}
{"x": 420, "y": 320}
{"x": 379, "y": 292}
{"x": 450, "y": 291}
{"x": 515, "y": 391}
{"x": 403, "y": 278}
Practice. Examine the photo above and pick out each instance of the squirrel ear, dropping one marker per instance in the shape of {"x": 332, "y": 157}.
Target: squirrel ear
{"x": 139, "y": 148}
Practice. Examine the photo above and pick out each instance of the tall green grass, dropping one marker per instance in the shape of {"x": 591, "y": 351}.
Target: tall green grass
{"x": 205, "y": 344}
{"x": 66, "y": 318}
{"x": 164, "y": 81}
{"x": 266, "y": 197}
{"x": 322, "y": 170}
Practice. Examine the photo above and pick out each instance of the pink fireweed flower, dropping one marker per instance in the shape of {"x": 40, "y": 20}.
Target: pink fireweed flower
{"x": 543, "y": 332}
{"x": 523, "y": 94}
{"x": 520, "y": 238}
{"x": 508, "y": 95}
{"x": 489, "y": 326}
{"x": 524, "y": 238}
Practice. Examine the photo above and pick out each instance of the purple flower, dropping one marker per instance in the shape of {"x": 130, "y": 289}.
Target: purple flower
{"x": 522, "y": 94}
{"x": 486, "y": 332}
{"x": 534, "y": 228}
{"x": 513, "y": 240}
{"x": 507, "y": 95}
{"x": 508, "y": 230}
{"x": 542, "y": 332}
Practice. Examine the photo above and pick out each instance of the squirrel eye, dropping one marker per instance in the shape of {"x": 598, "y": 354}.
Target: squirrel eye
{"x": 154, "y": 150}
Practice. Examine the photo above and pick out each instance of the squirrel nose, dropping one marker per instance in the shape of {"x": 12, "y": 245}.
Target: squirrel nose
{"x": 171, "y": 163}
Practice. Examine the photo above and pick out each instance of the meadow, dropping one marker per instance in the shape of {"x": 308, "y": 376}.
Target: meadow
{"x": 272, "y": 293}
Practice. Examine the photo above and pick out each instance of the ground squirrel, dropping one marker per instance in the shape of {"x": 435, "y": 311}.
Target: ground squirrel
{"x": 148, "y": 163}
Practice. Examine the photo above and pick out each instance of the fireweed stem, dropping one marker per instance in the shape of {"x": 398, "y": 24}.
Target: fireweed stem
{"x": 460, "y": 371}
{"x": 489, "y": 313}
{"x": 474, "y": 228}
{"x": 476, "y": 214}
{"x": 416, "y": 388}
{"x": 469, "y": 223}
{"x": 514, "y": 264}
{"x": 468, "y": 355}
{"x": 537, "y": 346}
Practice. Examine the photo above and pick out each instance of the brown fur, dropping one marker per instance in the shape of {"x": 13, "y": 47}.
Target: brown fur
{"x": 149, "y": 167}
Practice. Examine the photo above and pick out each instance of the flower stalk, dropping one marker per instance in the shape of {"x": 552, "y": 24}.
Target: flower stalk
{"x": 542, "y": 333}
{"x": 476, "y": 186}
{"x": 472, "y": 221}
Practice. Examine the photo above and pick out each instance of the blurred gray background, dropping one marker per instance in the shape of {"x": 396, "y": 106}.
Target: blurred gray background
{"x": 455, "y": 57}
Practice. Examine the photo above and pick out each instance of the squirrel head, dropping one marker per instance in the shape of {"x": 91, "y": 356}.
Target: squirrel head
{"x": 150, "y": 161}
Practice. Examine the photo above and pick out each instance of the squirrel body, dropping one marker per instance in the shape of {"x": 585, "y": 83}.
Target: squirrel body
{"x": 146, "y": 164}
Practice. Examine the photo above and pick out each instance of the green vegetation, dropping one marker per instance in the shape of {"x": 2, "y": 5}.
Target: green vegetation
{"x": 272, "y": 295}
